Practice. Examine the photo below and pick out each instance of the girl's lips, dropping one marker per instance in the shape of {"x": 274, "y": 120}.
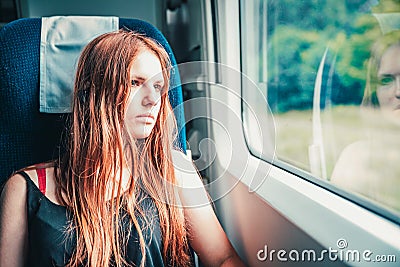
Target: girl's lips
{"x": 145, "y": 118}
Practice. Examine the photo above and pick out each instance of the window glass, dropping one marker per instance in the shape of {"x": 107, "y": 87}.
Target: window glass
{"x": 330, "y": 73}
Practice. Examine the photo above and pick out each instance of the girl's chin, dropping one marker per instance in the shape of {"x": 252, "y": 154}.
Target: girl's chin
{"x": 139, "y": 130}
{"x": 140, "y": 136}
{"x": 142, "y": 133}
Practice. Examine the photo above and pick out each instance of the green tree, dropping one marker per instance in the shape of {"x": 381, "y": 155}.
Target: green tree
{"x": 299, "y": 32}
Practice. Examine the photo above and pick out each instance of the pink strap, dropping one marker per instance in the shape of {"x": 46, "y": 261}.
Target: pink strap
{"x": 41, "y": 173}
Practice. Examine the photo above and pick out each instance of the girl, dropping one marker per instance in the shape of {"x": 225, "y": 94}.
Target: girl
{"x": 114, "y": 198}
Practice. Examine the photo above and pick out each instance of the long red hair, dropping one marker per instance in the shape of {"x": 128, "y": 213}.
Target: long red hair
{"x": 99, "y": 146}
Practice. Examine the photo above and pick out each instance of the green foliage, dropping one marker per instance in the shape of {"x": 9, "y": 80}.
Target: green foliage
{"x": 299, "y": 32}
{"x": 387, "y": 6}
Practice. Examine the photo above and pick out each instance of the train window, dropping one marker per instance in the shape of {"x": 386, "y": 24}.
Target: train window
{"x": 330, "y": 73}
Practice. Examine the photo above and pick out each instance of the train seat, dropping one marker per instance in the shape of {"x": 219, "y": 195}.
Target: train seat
{"x": 27, "y": 135}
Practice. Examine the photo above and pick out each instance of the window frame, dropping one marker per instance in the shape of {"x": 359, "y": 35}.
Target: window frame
{"x": 303, "y": 174}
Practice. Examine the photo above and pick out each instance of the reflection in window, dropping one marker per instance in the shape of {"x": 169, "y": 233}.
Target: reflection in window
{"x": 334, "y": 97}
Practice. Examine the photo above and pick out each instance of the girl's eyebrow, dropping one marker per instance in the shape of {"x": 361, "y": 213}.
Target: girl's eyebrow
{"x": 160, "y": 81}
{"x": 138, "y": 77}
{"x": 387, "y": 74}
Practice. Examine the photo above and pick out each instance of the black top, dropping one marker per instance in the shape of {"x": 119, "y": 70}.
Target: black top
{"x": 50, "y": 245}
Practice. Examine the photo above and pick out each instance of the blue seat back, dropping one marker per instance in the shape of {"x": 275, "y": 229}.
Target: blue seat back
{"x": 26, "y": 135}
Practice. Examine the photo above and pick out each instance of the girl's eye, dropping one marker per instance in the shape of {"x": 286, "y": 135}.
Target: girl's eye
{"x": 158, "y": 87}
{"x": 387, "y": 79}
{"x": 135, "y": 83}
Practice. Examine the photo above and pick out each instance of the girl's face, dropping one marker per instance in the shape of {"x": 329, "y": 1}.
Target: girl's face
{"x": 145, "y": 97}
{"x": 388, "y": 90}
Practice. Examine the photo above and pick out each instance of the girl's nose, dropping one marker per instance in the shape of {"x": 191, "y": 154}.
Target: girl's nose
{"x": 151, "y": 95}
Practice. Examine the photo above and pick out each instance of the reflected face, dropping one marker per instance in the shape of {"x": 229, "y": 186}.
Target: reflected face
{"x": 388, "y": 90}
{"x": 145, "y": 97}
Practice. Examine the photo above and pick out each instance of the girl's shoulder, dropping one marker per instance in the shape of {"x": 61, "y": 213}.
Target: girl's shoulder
{"x": 17, "y": 182}
{"x": 29, "y": 176}
{"x": 14, "y": 188}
